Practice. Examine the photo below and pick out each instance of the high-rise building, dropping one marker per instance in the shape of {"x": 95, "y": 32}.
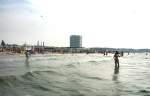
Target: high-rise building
{"x": 75, "y": 41}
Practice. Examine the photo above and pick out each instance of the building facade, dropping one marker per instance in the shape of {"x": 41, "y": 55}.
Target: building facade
{"x": 75, "y": 41}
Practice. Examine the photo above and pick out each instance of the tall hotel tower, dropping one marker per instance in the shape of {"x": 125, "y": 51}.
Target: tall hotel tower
{"x": 75, "y": 41}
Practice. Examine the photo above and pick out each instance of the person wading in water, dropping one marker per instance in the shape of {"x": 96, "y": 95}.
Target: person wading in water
{"x": 27, "y": 53}
{"x": 116, "y": 55}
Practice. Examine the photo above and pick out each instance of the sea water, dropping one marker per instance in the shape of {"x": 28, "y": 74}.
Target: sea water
{"x": 74, "y": 75}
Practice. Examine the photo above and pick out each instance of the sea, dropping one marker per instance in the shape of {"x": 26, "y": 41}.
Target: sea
{"x": 74, "y": 75}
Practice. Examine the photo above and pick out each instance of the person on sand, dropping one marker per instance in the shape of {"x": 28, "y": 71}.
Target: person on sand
{"x": 116, "y": 55}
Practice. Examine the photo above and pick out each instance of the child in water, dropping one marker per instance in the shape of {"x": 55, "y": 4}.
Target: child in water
{"x": 116, "y": 55}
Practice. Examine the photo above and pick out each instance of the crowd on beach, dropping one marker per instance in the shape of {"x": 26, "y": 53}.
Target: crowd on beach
{"x": 6, "y": 49}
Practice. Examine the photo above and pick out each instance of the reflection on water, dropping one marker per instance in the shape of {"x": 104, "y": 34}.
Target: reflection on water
{"x": 27, "y": 62}
{"x": 116, "y": 70}
{"x": 117, "y": 84}
{"x": 116, "y": 74}
{"x": 27, "y": 65}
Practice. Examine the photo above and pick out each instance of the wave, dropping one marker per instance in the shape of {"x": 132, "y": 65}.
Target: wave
{"x": 144, "y": 91}
{"x": 85, "y": 76}
{"x": 95, "y": 78}
{"x": 49, "y": 72}
{"x": 36, "y": 81}
{"x": 29, "y": 76}
{"x": 93, "y": 61}
{"x": 6, "y": 81}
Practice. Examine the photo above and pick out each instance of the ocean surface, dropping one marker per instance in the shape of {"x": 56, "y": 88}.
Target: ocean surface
{"x": 74, "y": 75}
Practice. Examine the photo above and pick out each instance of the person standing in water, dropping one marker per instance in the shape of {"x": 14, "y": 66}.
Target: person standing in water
{"x": 116, "y": 55}
{"x": 27, "y": 53}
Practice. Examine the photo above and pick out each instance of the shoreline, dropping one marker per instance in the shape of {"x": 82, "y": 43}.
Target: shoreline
{"x": 46, "y": 53}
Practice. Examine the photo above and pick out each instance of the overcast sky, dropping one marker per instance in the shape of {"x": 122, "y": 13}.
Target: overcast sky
{"x": 102, "y": 23}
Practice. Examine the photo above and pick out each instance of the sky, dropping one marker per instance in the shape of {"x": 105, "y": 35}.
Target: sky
{"x": 101, "y": 23}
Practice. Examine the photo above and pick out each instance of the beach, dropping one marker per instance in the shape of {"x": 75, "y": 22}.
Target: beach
{"x": 74, "y": 75}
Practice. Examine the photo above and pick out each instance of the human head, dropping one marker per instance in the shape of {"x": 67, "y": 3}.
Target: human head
{"x": 116, "y": 52}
